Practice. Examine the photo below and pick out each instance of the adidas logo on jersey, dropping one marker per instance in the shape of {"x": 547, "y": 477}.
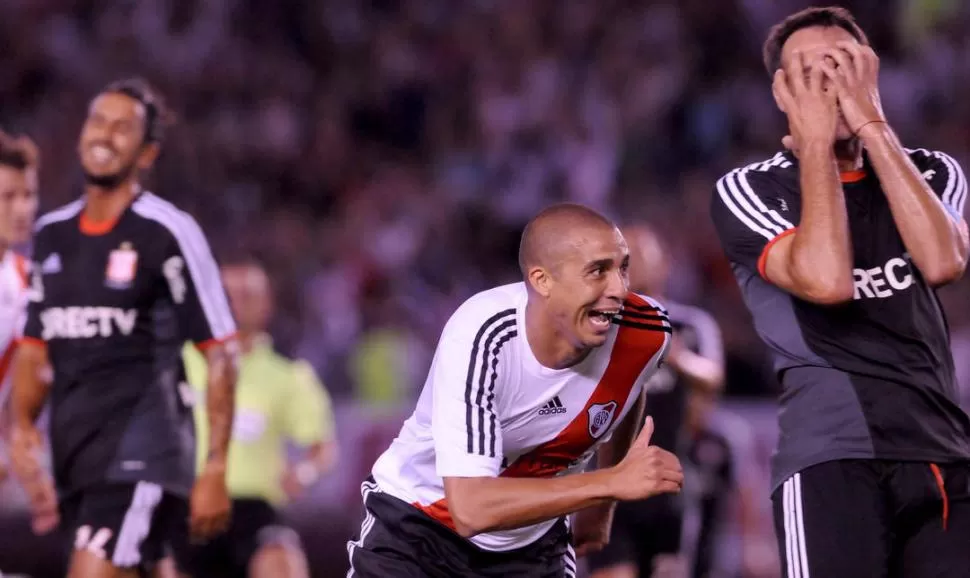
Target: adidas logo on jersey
{"x": 554, "y": 406}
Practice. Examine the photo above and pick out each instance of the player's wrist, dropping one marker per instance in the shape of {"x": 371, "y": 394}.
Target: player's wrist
{"x": 606, "y": 484}
{"x": 872, "y": 129}
{"x": 817, "y": 146}
{"x": 215, "y": 464}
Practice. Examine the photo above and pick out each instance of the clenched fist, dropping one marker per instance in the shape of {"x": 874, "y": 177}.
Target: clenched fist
{"x": 647, "y": 470}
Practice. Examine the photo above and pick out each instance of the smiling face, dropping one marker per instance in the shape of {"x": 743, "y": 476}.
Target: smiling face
{"x": 112, "y": 145}
{"x": 812, "y": 42}
{"x": 589, "y": 284}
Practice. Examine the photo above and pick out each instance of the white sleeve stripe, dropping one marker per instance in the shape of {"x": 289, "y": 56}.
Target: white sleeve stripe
{"x": 202, "y": 266}
{"x": 956, "y": 180}
{"x": 951, "y": 180}
{"x": 62, "y": 214}
{"x": 745, "y": 202}
{"x": 475, "y": 388}
{"x": 198, "y": 259}
{"x": 749, "y": 191}
{"x": 955, "y": 193}
{"x": 740, "y": 214}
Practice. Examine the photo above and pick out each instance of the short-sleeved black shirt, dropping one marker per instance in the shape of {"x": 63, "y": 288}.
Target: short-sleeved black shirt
{"x": 114, "y": 307}
{"x": 872, "y": 378}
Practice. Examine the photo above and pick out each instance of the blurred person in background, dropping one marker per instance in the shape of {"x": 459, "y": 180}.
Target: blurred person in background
{"x": 529, "y": 381}
{"x": 276, "y": 400}
{"x": 119, "y": 280}
{"x": 652, "y": 538}
{"x": 839, "y": 245}
{"x": 19, "y": 162}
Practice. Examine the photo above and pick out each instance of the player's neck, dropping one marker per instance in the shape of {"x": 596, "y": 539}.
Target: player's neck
{"x": 105, "y": 205}
{"x": 848, "y": 155}
{"x": 550, "y": 348}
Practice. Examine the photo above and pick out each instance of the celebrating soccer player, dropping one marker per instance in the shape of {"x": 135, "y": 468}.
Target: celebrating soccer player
{"x": 838, "y": 245}
{"x": 529, "y": 380}
{"x": 120, "y": 279}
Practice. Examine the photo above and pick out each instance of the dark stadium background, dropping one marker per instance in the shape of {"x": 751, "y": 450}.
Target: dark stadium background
{"x": 383, "y": 155}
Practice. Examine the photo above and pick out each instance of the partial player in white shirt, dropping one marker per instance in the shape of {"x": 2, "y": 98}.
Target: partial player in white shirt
{"x": 529, "y": 381}
{"x": 18, "y": 207}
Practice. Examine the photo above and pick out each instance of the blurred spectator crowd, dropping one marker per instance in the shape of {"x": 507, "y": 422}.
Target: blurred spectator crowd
{"x": 382, "y": 156}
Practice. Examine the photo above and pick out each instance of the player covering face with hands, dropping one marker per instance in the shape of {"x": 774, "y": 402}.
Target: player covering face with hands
{"x": 828, "y": 89}
{"x": 838, "y": 245}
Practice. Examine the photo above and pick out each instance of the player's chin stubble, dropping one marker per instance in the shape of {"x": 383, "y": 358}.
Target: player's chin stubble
{"x": 108, "y": 181}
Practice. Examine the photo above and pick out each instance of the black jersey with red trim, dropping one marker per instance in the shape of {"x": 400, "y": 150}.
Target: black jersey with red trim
{"x": 113, "y": 305}
{"x": 872, "y": 378}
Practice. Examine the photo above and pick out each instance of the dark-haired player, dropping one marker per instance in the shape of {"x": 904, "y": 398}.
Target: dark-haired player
{"x": 838, "y": 245}
{"x": 19, "y": 161}
{"x": 120, "y": 279}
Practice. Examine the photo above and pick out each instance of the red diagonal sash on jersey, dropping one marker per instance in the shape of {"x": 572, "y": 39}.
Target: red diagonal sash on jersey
{"x": 634, "y": 347}
{"x": 632, "y": 351}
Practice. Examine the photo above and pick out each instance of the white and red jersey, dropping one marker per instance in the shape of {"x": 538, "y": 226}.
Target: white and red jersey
{"x": 13, "y": 300}
{"x": 490, "y": 409}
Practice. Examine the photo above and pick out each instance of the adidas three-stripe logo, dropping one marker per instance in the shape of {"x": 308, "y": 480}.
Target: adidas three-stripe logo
{"x": 480, "y": 421}
{"x": 554, "y": 406}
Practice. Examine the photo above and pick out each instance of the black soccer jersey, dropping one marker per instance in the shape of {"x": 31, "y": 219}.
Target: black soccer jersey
{"x": 872, "y": 378}
{"x": 114, "y": 308}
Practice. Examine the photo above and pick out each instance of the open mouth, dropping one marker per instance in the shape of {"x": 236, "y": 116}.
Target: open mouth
{"x": 600, "y": 318}
{"x": 101, "y": 153}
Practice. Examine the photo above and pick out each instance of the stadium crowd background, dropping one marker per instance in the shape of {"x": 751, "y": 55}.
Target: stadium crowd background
{"x": 382, "y": 157}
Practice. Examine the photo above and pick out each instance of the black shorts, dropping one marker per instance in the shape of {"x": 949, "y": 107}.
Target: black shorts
{"x": 875, "y": 519}
{"x": 641, "y": 531}
{"x": 399, "y": 541}
{"x": 254, "y": 524}
{"x": 129, "y": 525}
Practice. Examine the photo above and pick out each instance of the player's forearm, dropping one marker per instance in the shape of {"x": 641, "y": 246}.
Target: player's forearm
{"x": 489, "y": 504}
{"x": 820, "y": 260}
{"x": 30, "y": 390}
{"x": 935, "y": 239}
{"x": 610, "y": 453}
{"x": 220, "y": 402}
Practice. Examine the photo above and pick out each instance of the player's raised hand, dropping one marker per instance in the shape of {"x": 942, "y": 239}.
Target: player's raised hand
{"x": 646, "y": 470}
{"x": 805, "y": 96}
{"x": 855, "y": 77}
{"x": 210, "y": 504}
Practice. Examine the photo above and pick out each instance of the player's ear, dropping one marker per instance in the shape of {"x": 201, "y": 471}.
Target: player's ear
{"x": 540, "y": 280}
{"x": 147, "y": 157}
{"x": 776, "y": 87}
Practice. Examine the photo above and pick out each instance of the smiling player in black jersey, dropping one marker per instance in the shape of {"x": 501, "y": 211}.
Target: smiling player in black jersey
{"x": 838, "y": 245}
{"x": 120, "y": 279}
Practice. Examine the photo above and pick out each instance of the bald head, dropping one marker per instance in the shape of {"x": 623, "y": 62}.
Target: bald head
{"x": 550, "y": 235}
